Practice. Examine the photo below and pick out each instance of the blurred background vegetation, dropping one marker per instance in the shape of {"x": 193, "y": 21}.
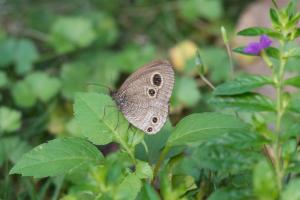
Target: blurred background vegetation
{"x": 51, "y": 49}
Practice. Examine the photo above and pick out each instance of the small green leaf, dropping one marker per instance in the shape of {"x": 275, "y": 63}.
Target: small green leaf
{"x": 274, "y": 16}
{"x": 69, "y": 33}
{"x": 23, "y": 95}
{"x": 273, "y": 52}
{"x": 242, "y": 85}
{"x": 3, "y": 79}
{"x": 26, "y": 54}
{"x": 294, "y": 81}
{"x": 7, "y": 51}
{"x": 244, "y": 102}
{"x": 10, "y": 120}
{"x": 292, "y": 192}
{"x": 43, "y": 86}
{"x": 199, "y": 128}
{"x": 143, "y": 170}
{"x": 264, "y": 181}
{"x": 129, "y": 188}
{"x": 56, "y": 157}
{"x": 255, "y": 31}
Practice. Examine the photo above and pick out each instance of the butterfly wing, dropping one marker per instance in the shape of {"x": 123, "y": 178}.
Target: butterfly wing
{"x": 144, "y": 96}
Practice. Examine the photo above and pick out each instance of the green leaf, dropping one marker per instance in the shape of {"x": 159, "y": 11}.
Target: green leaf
{"x": 245, "y": 102}
{"x": 12, "y": 148}
{"x": 255, "y": 31}
{"x": 292, "y": 192}
{"x": 23, "y": 95}
{"x": 294, "y": 81}
{"x": 274, "y": 16}
{"x": 7, "y": 51}
{"x": 148, "y": 193}
{"x": 188, "y": 97}
{"x": 264, "y": 181}
{"x": 192, "y": 9}
{"x": 89, "y": 113}
{"x": 26, "y": 54}
{"x": 198, "y": 128}
{"x": 143, "y": 170}
{"x": 69, "y": 33}
{"x": 273, "y": 52}
{"x": 74, "y": 77}
{"x": 56, "y": 157}
{"x": 231, "y": 194}
{"x": 3, "y": 79}
{"x": 99, "y": 119}
{"x": 10, "y": 120}
{"x": 129, "y": 188}
{"x": 242, "y": 85}
{"x": 43, "y": 86}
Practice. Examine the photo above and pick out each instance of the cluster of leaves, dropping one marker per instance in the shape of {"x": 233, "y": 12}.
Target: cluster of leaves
{"x": 235, "y": 154}
{"x": 50, "y": 50}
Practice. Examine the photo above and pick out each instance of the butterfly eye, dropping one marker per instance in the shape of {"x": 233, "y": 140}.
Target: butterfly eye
{"x": 149, "y": 129}
{"x": 151, "y": 92}
{"x": 154, "y": 119}
{"x": 156, "y": 79}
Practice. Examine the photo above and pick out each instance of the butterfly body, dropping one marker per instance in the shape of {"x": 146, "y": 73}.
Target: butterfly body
{"x": 144, "y": 97}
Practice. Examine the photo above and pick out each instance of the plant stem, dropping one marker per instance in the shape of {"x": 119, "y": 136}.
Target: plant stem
{"x": 279, "y": 111}
{"x": 161, "y": 158}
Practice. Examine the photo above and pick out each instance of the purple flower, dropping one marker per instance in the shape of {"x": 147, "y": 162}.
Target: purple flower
{"x": 256, "y": 47}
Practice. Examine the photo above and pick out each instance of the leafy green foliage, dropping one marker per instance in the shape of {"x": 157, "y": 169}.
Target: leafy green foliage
{"x": 56, "y": 157}
{"x": 244, "y": 102}
{"x": 198, "y": 128}
{"x": 242, "y": 85}
{"x": 69, "y": 33}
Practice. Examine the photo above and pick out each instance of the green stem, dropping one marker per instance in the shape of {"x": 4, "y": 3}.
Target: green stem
{"x": 161, "y": 158}
{"x": 280, "y": 111}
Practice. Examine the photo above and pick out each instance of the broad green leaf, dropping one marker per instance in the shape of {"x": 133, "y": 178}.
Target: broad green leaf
{"x": 294, "y": 81}
{"x": 26, "y": 54}
{"x": 7, "y": 51}
{"x": 143, "y": 170}
{"x": 69, "y": 33}
{"x": 242, "y": 85}
{"x": 273, "y": 52}
{"x": 10, "y": 120}
{"x": 56, "y": 157}
{"x": 3, "y": 79}
{"x": 198, "y": 128}
{"x": 244, "y": 102}
{"x": 129, "y": 188}
{"x": 224, "y": 159}
{"x": 264, "y": 181}
{"x": 23, "y": 95}
{"x": 292, "y": 192}
{"x": 99, "y": 119}
{"x": 43, "y": 86}
{"x": 254, "y": 31}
